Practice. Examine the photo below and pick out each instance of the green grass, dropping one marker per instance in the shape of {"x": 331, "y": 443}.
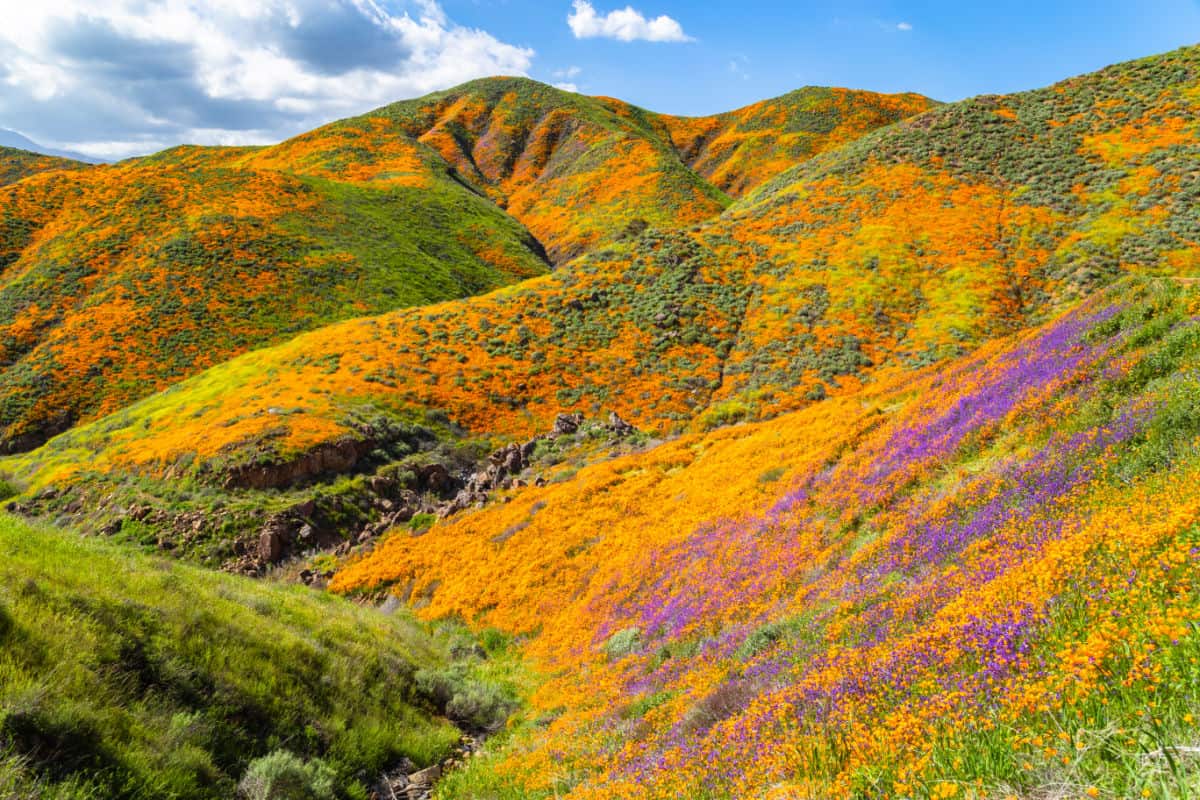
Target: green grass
{"x": 127, "y": 676}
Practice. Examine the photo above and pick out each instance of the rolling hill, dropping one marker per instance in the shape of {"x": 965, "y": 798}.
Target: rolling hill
{"x": 911, "y": 245}
{"x": 198, "y": 254}
{"x": 118, "y": 280}
{"x": 16, "y": 164}
{"x": 896, "y": 492}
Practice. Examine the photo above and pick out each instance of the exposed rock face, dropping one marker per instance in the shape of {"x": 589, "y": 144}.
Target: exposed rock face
{"x": 565, "y": 424}
{"x": 332, "y": 458}
{"x": 339, "y": 521}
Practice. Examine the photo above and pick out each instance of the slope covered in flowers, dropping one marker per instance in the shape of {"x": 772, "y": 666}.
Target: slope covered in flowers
{"x": 910, "y": 246}
{"x": 202, "y": 253}
{"x": 739, "y": 150}
{"x": 116, "y": 281}
{"x": 978, "y": 582}
{"x": 17, "y": 164}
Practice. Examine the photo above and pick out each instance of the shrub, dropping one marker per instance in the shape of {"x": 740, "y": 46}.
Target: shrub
{"x": 421, "y": 522}
{"x": 623, "y": 643}
{"x": 7, "y": 490}
{"x": 283, "y": 776}
{"x": 468, "y": 702}
{"x": 724, "y": 413}
{"x": 727, "y": 700}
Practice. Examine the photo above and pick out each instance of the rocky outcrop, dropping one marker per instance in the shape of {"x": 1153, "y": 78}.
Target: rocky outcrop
{"x": 332, "y": 458}
{"x": 405, "y": 782}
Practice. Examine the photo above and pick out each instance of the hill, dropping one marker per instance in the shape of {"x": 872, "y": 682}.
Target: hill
{"x": 118, "y": 280}
{"x": 581, "y": 171}
{"x": 12, "y": 140}
{"x": 252, "y": 245}
{"x": 126, "y": 676}
{"x": 741, "y": 149}
{"x": 900, "y": 250}
{"x": 976, "y": 581}
{"x": 16, "y": 164}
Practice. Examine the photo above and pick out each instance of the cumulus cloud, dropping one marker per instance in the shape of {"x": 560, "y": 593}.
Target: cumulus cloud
{"x": 116, "y": 77}
{"x": 904, "y": 26}
{"x": 624, "y": 24}
{"x": 567, "y": 87}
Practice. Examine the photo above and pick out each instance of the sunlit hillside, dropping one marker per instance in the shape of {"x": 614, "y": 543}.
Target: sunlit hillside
{"x": 842, "y": 446}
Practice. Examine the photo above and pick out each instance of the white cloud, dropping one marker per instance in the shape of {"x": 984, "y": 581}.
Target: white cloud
{"x": 625, "y": 24}
{"x": 739, "y": 65}
{"x": 568, "y": 73}
{"x": 115, "y": 77}
{"x": 567, "y": 87}
{"x": 904, "y": 26}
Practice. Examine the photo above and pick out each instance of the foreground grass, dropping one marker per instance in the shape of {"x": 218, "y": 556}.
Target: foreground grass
{"x": 127, "y": 676}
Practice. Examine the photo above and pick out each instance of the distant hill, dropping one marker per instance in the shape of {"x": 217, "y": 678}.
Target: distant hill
{"x": 9, "y": 138}
{"x": 118, "y": 280}
{"x": 907, "y": 247}
{"x": 18, "y": 164}
{"x": 197, "y": 254}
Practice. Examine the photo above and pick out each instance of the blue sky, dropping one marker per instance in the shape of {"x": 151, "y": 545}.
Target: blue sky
{"x": 113, "y": 78}
{"x": 752, "y": 49}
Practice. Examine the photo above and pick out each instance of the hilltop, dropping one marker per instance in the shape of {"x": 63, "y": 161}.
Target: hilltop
{"x": 198, "y": 254}
{"x": 16, "y": 164}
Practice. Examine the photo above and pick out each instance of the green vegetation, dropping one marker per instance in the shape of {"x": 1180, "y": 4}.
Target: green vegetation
{"x": 127, "y": 676}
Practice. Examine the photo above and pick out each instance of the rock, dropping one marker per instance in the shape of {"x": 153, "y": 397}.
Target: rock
{"x": 619, "y": 426}
{"x": 270, "y": 545}
{"x": 434, "y": 477}
{"x": 426, "y": 777}
{"x": 306, "y": 576}
{"x": 306, "y": 533}
{"x": 566, "y": 424}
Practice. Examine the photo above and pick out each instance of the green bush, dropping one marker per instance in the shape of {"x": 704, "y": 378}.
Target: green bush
{"x": 623, "y": 643}
{"x": 463, "y": 699}
{"x": 7, "y": 490}
{"x": 283, "y": 776}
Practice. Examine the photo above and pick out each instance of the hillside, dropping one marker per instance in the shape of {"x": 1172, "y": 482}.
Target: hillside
{"x": 16, "y": 164}
{"x": 978, "y": 581}
{"x": 125, "y": 676}
{"x": 253, "y": 245}
{"x": 901, "y": 250}
{"x": 196, "y": 254}
{"x": 865, "y": 470}
{"x": 741, "y": 149}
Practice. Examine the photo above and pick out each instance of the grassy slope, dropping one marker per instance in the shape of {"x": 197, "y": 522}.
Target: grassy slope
{"x": 903, "y": 249}
{"x": 197, "y": 254}
{"x": 125, "y": 676}
{"x": 980, "y": 582}
{"x": 17, "y": 164}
